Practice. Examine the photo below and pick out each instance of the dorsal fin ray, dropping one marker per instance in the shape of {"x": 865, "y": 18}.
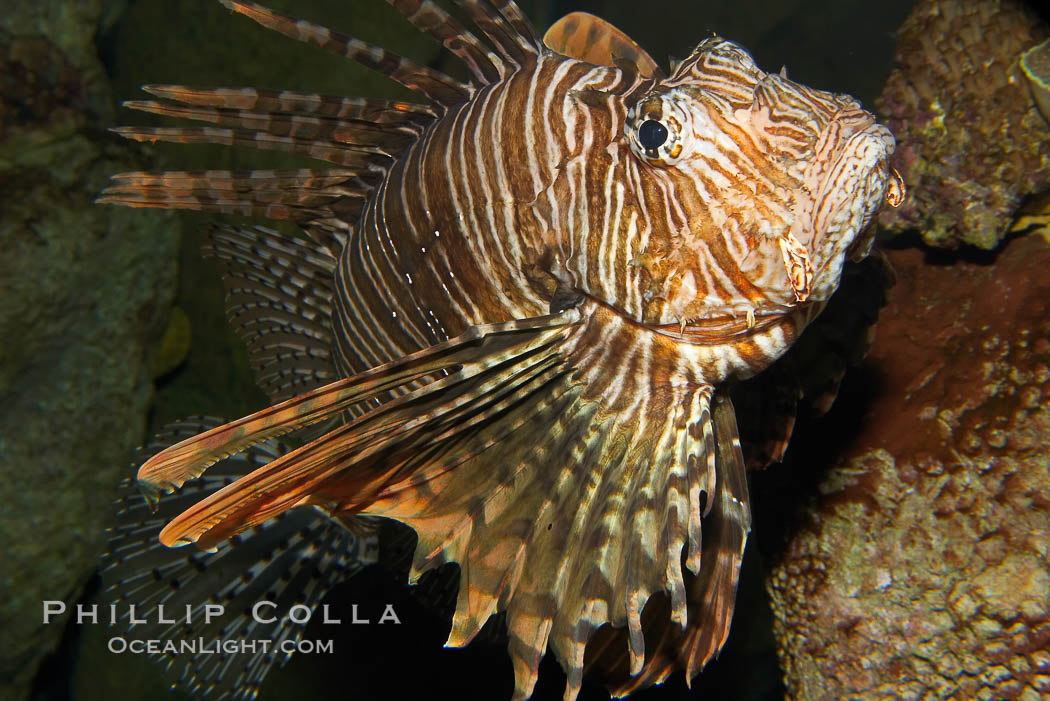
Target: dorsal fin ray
{"x": 321, "y": 202}
{"x": 361, "y": 158}
{"x": 373, "y": 110}
{"x": 484, "y": 65}
{"x": 523, "y": 28}
{"x": 583, "y": 36}
{"x": 506, "y": 28}
{"x": 362, "y": 134}
{"x": 436, "y": 86}
{"x": 386, "y": 140}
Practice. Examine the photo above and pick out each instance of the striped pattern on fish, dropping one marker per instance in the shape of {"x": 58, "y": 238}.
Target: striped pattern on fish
{"x": 545, "y": 276}
{"x": 288, "y": 560}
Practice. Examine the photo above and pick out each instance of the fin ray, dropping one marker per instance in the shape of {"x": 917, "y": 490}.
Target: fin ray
{"x": 189, "y": 458}
{"x": 292, "y": 559}
{"x": 278, "y": 300}
{"x": 515, "y": 40}
{"x": 321, "y": 202}
{"x": 386, "y": 140}
{"x": 712, "y": 588}
{"x": 436, "y": 86}
{"x": 484, "y": 65}
{"x": 363, "y": 158}
{"x": 425, "y": 422}
{"x": 374, "y": 110}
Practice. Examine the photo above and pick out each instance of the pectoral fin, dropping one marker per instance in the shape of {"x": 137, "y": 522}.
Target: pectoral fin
{"x": 556, "y": 460}
{"x": 464, "y": 383}
{"x": 711, "y": 588}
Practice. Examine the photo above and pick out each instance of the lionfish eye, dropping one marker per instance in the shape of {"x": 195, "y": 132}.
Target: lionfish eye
{"x": 657, "y": 129}
{"x": 652, "y": 134}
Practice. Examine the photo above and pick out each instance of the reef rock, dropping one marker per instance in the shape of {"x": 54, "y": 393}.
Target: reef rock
{"x": 923, "y": 569}
{"x": 971, "y": 142}
{"x": 84, "y": 291}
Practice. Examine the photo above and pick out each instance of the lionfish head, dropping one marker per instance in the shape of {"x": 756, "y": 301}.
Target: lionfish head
{"x": 773, "y": 185}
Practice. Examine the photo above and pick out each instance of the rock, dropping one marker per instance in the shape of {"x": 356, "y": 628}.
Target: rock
{"x": 923, "y": 569}
{"x": 84, "y": 291}
{"x": 971, "y": 143}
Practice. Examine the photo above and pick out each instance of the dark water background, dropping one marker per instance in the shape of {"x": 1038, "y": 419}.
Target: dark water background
{"x": 844, "y": 46}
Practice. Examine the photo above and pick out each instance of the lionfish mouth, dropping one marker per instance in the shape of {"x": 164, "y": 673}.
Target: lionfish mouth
{"x": 713, "y": 328}
{"x": 719, "y": 328}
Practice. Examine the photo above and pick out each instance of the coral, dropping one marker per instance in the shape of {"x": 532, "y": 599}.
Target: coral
{"x": 971, "y": 142}
{"x": 1035, "y": 63}
{"x": 923, "y": 569}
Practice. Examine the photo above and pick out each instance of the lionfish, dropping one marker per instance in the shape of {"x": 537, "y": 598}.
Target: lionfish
{"x": 511, "y": 328}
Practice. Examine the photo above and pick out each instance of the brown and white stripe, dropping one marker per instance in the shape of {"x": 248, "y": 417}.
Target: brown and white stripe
{"x": 538, "y": 300}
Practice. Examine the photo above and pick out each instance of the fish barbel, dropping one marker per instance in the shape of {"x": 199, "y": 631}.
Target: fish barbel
{"x": 539, "y": 281}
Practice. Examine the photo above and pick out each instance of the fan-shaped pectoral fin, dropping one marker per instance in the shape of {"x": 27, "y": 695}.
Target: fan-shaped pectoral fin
{"x": 450, "y": 392}
{"x": 711, "y": 588}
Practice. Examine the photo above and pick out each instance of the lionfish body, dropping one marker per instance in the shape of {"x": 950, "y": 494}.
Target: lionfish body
{"x": 539, "y": 282}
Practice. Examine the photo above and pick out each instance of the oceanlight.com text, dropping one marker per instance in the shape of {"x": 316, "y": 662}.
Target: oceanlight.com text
{"x": 200, "y": 646}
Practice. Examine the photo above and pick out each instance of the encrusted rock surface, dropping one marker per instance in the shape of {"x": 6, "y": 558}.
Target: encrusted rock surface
{"x": 84, "y": 290}
{"x": 923, "y": 569}
{"x": 971, "y": 142}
